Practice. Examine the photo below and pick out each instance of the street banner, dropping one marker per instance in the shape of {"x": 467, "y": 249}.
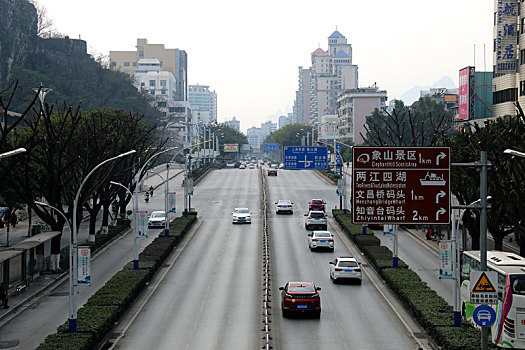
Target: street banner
{"x": 445, "y": 259}
{"x": 171, "y": 201}
{"x": 189, "y": 186}
{"x": 340, "y": 187}
{"x": 231, "y": 147}
{"x": 142, "y": 222}
{"x": 84, "y": 265}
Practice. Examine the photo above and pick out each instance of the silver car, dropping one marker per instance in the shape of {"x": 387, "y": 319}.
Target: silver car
{"x": 157, "y": 219}
{"x": 315, "y": 219}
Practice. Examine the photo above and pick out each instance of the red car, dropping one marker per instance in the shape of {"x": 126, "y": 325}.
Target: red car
{"x": 316, "y": 205}
{"x": 272, "y": 172}
{"x": 300, "y": 298}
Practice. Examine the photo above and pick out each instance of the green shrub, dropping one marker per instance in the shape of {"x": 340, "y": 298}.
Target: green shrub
{"x": 366, "y": 241}
{"x": 66, "y": 341}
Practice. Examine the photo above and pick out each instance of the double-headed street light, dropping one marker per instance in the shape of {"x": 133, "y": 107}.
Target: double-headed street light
{"x": 74, "y": 244}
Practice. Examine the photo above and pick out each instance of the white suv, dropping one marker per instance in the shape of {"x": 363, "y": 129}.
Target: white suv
{"x": 346, "y": 267}
{"x": 315, "y": 219}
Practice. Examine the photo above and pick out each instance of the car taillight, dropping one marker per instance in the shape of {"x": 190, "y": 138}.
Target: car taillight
{"x": 357, "y": 270}
{"x": 338, "y": 269}
{"x": 330, "y": 240}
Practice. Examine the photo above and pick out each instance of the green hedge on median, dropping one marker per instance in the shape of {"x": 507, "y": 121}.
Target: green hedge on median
{"x": 430, "y": 310}
{"x": 99, "y": 314}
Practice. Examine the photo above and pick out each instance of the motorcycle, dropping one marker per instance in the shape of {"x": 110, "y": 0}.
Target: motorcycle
{"x": 146, "y": 197}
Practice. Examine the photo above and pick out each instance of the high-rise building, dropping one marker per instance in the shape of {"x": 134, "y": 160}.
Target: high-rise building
{"x": 302, "y": 98}
{"x": 234, "y": 124}
{"x": 255, "y": 140}
{"x": 171, "y": 60}
{"x": 285, "y": 120}
{"x": 331, "y": 73}
{"x": 203, "y": 100}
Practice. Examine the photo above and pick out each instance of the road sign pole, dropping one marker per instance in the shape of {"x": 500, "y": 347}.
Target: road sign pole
{"x": 483, "y": 233}
{"x": 455, "y": 269}
{"x": 395, "y": 258}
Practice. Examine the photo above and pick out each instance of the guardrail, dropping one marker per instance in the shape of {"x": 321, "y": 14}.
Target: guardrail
{"x": 266, "y": 267}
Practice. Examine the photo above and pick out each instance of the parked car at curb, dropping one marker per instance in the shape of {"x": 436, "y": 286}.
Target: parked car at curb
{"x": 157, "y": 219}
{"x": 241, "y": 216}
{"x": 284, "y": 206}
{"x": 346, "y": 268}
{"x": 300, "y": 298}
{"x": 321, "y": 239}
{"x": 315, "y": 219}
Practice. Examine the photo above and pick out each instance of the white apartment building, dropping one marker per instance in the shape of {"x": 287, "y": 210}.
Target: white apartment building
{"x": 203, "y": 100}
{"x": 253, "y": 135}
{"x": 327, "y": 127}
{"x": 158, "y": 83}
{"x": 234, "y": 124}
{"x": 354, "y": 105}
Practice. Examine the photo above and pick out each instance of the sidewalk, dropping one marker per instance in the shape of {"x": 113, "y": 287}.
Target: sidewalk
{"x": 19, "y": 302}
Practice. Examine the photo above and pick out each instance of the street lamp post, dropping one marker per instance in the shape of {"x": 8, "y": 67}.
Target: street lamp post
{"x": 12, "y": 153}
{"x": 135, "y": 258}
{"x": 71, "y": 315}
{"x": 73, "y": 247}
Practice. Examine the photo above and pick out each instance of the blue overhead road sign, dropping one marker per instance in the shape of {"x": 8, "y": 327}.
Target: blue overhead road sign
{"x": 300, "y": 157}
{"x": 271, "y": 147}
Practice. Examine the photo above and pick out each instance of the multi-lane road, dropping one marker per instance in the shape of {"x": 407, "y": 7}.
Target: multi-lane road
{"x": 211, "y": 295}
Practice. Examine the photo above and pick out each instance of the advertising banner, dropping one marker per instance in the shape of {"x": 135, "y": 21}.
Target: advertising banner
{"x": 464, "y": 94}
{"x": 171, "y": 201}
{"x": 142, "y": 222}
{"x": 231, "y": 147}
{"x": 84, "y": 265}
{"x": 507, "y": 15}
{"x": 445, "y": 259}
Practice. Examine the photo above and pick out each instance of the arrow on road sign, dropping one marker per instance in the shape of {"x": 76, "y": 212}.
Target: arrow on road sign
{"x": 440, "y": 156}
{"x": 439, "y": 195}
{"x": 439, "y": 212}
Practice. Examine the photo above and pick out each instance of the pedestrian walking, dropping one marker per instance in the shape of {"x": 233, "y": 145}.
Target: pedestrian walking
{"x": 151, "y": 191}
{"x": 13, "y": 219}
{"x": 3, "y": 295}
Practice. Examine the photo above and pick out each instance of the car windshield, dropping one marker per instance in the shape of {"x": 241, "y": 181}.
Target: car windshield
{"x": 317, "y": 201}
{"x": 348, "y": 264}
{"x": 316, "y": 215}
{"x": 301, "y": 289}
{"x": 241, "y": 211}
{"x": 157, "y": 215}
{"x": 322, "y": 234}
{"x": 285, "y": 202}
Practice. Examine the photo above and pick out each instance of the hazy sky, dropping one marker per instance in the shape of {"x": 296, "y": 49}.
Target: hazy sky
{"x": 249, "y": 52}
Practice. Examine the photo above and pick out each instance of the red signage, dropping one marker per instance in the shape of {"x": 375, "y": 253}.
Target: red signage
{"x": 401, "y": 185}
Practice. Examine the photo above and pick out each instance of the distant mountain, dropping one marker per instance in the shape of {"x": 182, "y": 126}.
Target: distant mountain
{"x": 413, "y": 94}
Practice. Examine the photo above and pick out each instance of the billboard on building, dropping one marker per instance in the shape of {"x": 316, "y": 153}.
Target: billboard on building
{"x": 231, "y": 147}
{"x": 506, "y": 36}
{"x": 466, "y": 93}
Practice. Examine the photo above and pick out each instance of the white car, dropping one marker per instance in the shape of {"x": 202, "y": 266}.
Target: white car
{"x": 241, "y": 215}
{"x": 284, "y": 206}
{"x": 321, "y": 239}
{"x": 157, "y": 219}
{"x": 346, "y": 267}
{"x": 251, "y": 166}
{"x": 281, "y": 166}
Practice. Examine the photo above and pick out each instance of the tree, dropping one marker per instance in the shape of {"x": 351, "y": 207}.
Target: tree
{"x": 45, "y": 27}
{"x": 427, "y": 124}
{"x": 289, "y": 135}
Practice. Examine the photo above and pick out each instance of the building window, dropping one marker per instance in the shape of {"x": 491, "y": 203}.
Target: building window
{"x": 163, "y": 92}
{"x": 163, "y": 83}
{"x": 152, "y": 83}
{"x": 126, "y": 64}
{"x": 134, "y": 64}
{"x": 142, "y": 84}
{"x": 113, "y": 64}
{"x": 507, "y": 95}
{"x": 522, "y": 88}
{"x": 152, "y": 92}
{"x": 141, "y": 53}
{"x": 161, "y": 104}
{"x": 522, "y": 25}
{"x": 522, "y": 56}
